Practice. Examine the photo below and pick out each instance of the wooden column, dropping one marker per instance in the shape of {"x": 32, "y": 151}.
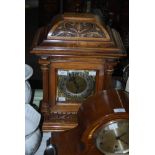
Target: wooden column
{"x": 45, "y": 73}
{"x": 109, "y": 69}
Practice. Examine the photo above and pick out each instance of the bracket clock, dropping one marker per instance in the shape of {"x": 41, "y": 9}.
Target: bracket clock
{"x": 77, "y": 54}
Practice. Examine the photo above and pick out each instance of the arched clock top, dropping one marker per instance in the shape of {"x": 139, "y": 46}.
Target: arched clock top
{"x": 78, "y": 28}
{"x": 78, "y": 34}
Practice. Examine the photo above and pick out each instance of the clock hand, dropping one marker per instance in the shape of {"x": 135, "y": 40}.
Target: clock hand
{"x": 123, "y": 141}
{"x": 75, "y": 83}
{"x": 118, "y": 137}
{"x": 77, "y": 87}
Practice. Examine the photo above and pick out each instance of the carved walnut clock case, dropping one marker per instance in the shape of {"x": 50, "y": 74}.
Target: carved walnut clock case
{"x": 77, "y": 54}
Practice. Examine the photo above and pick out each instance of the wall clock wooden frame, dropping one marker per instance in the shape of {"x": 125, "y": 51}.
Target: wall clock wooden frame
{"x": 74, "y": 42}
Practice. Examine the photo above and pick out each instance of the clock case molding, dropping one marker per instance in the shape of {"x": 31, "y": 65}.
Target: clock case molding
{"x": 74, "y": 42}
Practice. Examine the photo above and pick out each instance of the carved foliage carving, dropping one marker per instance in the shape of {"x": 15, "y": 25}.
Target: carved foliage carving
{"x": 77, "y": 29}
{"x": 63, "y": 116}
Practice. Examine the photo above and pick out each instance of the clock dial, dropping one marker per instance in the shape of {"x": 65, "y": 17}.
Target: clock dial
{"x": 113, "y": 138}
{"x": 75, "y": 85}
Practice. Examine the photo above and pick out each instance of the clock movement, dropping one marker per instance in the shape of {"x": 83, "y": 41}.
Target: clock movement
{"x": 103, "y": 127}
{"x": 77, "y": 54}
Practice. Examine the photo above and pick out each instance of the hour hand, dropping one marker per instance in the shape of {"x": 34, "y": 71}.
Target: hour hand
{"x": 118, "y": 137}
{"x": 124, "y": 141}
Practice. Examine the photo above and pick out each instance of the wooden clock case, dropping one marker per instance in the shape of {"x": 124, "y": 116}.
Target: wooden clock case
{"x": 93, "y": 113}
{"x": 74, "y": 42}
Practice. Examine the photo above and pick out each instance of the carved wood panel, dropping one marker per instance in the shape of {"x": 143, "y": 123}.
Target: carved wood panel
{"x": 63, "y": 117}
{"x": 77, "y": 29}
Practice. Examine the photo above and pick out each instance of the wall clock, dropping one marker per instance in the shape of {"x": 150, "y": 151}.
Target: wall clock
{"x": 103, "y": 127}
{"x": 77, "y": 54}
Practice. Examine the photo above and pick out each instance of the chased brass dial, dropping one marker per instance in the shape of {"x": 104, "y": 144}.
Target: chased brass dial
{"x": 113, "y": 138}
{"x": 75, "y": 85}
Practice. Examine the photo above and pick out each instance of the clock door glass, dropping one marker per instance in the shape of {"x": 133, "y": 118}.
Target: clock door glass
{"x": 113, "y": 138}
{"x": 75, "y": 85}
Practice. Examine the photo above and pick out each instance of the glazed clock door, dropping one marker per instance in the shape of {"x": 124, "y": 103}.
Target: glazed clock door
{"x": 72, "y": 82}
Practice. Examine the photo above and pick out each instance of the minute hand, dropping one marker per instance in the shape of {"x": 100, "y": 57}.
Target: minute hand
{"x": 118, "y": 137}
{"x": 123, "y": 141}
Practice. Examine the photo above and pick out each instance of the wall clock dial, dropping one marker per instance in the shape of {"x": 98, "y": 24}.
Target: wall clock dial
{"x": 113, "y": 138}
{"x": 75, "y": 85}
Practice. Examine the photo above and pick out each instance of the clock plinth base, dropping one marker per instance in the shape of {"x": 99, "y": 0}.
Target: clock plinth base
{"x": 50, "y": 126}
{"x": 59, "y": 122}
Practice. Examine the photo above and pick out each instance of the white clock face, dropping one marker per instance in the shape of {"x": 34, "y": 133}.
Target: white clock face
{"x": 113, "y": 138}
